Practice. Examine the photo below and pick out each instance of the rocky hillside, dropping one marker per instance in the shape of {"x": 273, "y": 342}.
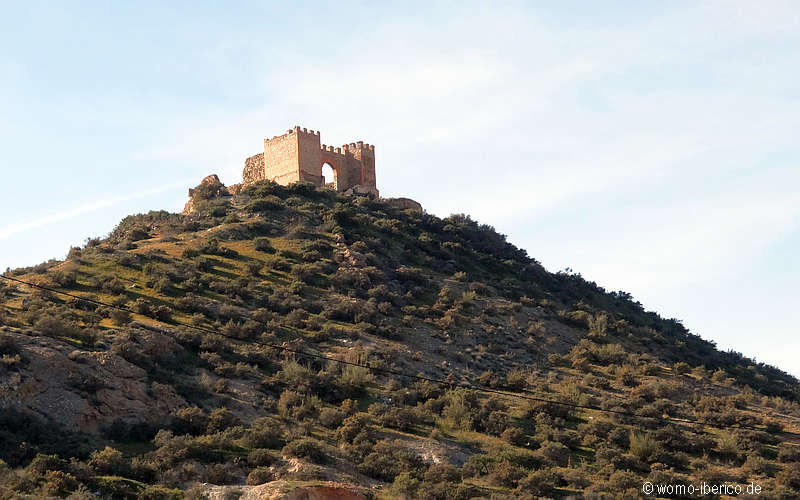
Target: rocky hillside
{"x": 289, "y": 342}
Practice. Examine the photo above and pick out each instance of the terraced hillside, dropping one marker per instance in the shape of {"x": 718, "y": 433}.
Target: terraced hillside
{"x": 293, "y": 341}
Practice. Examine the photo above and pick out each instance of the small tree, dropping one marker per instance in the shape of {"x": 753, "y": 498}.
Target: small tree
{"x": 108, "y": 461}
{"x": 643, "y": 446}
{"x": 120, "y": 317}
{"x": 307, "y": 448}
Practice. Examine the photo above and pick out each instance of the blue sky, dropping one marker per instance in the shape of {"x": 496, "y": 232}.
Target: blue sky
{"x": 650, "y": 146}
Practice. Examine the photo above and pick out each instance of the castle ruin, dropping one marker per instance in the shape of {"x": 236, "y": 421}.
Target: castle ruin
{"x": 298, "y": 156}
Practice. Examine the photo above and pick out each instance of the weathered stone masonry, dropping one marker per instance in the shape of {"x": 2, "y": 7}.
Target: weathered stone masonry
{"x": 253, "y": 168}
{"x": 298, "y": 156}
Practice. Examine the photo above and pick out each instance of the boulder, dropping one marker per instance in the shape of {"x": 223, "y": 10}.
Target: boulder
{"x": 404, "y": 204}
{"x": 209, "y": 188}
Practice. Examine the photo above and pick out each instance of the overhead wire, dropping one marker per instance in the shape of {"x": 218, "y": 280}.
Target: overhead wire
{"x": 388, "y": 371}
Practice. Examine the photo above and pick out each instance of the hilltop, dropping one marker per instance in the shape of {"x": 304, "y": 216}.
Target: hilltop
{"x": 193, "y": 350}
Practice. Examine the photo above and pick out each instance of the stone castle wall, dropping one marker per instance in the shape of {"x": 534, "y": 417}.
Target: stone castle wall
{"x": 253, "y": 169}
{"x": 298, "y": 155}
{"x": 281, "y": 158}
{"x": 309, "y": 156}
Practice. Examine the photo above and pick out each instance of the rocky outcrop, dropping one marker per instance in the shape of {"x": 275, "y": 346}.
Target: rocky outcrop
{"x": 87, "y": 390}
{"x": 287, "y": 490}
{"x": 323, "y": 492}
{"x": 362, "y": 189}
{"x": 404, "y": 204}
{"x": 209, "y": 188}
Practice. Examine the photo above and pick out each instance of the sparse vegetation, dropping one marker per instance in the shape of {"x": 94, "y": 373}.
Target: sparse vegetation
{"x": 216, "y": 388}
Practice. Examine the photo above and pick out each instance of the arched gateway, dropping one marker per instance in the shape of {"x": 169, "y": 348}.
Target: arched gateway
{"x": 329, "y": 175}
{"x": 298, "y": 156}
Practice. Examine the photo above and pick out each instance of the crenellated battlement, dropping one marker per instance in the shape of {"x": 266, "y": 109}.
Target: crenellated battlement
{"x": 303, "y": 130}
{"x": 295, "y": 130}
{"x": 331, "y": 149}
{"x": 298, "y": 156}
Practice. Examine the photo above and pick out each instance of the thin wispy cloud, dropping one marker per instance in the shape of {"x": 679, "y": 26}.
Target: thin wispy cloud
{"x": 61, "y": 215}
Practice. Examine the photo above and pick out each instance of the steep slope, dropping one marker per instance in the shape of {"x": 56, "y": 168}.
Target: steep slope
{"x": 203, "y": 348}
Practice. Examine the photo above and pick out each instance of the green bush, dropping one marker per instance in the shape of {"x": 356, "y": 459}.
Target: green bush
{"x": 406, "y": 486}
{"x": 204, "y": 264}
{"x": 626, "y": 376}
{"x": 59, "y": 483}
{"x": 789, "y": 475}
{"x": 293, "y": 374}
{"x": 442, "y": 471}
{"x": 399, "y": 418}
{"x": 55, "y": 326}
{"x": 681, "y": 368}
{"x": 307, "y": 448}
{"x": 788, "y": 453}
{"x": 220, "y": 419}
{"x": 460, "y": 409}
{"x": 263, "y": 433}
{"x": 351, "y": 427}
{"x": 163, "y": 286}
{"x": 505, "y": 474}
{"x": 120, "y": 317}
{"x": 113, "y": 286}
{"x": 290, "y": 400}
{"x": 624, "y": 481}
{"x": 331, "y": 418}
{"x": 265, "y": 204}
{"x": 108, "y": 462}
{"x": 728, "y": 444}
{"x": 65, "y": 279}
{"x": 213, "y": 208}
{"x": 541, "y": 483}
{"x": 388, "y": 459}
{"x": 719, "y": 376}
{"x": 264, "y": 245}
{"x": 260, "y": 475}
{"x": 495, "y": 423}
{"x": 643, "y": 446}
{"x": 514, "y": 435}
{"x": 217, "y": 474}
{"x": 555, "y": 453}
{"x": 260, "y": 457}
{"x": 192, "y": 420}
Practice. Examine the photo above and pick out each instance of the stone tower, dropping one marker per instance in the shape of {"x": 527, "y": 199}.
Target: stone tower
{"x": 298, "y": 156}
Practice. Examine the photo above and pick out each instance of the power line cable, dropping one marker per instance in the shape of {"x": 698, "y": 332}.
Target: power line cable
{"x": 388, "y": 371}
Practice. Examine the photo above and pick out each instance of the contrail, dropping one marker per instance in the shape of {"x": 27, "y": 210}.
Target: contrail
{"x": 63, "y": 215}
